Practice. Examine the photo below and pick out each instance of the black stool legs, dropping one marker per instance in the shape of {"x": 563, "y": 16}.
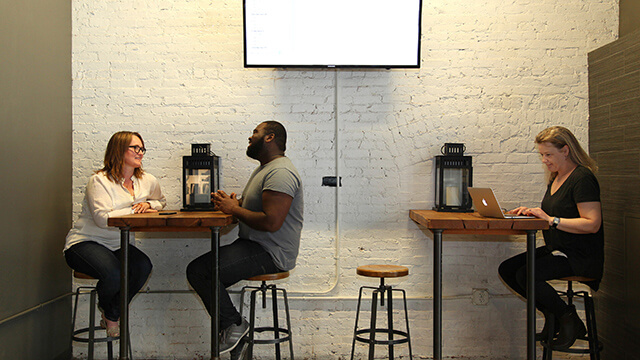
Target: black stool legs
{"x": 595, "y": 346}
{"x": 592, "y": 331}
{"x": 361, "y": 335}
{"x": 91, "y": 339}
{"x": 276, "y": 329}
{"x": 90, "y": 330}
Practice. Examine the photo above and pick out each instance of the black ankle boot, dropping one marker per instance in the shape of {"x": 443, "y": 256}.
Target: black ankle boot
{"x": 544, "y": 334}
{"x": 570, "y": 329}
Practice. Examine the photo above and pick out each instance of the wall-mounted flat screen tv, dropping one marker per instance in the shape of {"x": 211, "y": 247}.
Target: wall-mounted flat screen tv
{"x": 332, "y": 33}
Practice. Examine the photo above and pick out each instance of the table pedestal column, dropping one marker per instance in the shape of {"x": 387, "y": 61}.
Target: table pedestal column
{"x": 124, "y": 296}
{"x": 531, "y": 296}
{"x": 215, "y": 293}
{"x": 437, "y": 294}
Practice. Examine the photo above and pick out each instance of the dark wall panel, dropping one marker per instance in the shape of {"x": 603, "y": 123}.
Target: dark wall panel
{"x": 35, "y": 168}
{"x": 629, "y": 15}
{"x": 614, "y": 141}
{"x": 26, "y": 337}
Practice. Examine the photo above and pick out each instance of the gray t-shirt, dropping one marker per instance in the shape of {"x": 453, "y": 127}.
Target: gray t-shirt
{"x": 278, "y": 175}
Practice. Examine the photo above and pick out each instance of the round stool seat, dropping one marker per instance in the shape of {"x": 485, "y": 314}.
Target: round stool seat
{"x": 577, "y": 278}
{"x": 382, "y": 271}
{"x": 79, "y": 275}
{"x": 270, "y": 277}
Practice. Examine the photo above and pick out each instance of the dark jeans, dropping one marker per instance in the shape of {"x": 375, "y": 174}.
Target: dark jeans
{"x": 103, "y": 264}
{"x": 238, "y": 261}
{"x": 548, "y": 267}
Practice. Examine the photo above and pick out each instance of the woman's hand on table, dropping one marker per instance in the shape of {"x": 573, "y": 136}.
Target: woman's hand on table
{"x": 143, "y": 207}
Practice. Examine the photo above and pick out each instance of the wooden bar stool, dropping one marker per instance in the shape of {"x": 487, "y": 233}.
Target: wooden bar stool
{"x": 594, "y": 345}
{"x": 90, "y": 337}
{"x": 369, "y": 335}
{"x": 277, "y": 331}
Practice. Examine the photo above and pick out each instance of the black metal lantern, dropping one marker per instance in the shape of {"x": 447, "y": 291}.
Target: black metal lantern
{"x": 200, "y": 177}
{"x": 454, "y": 175}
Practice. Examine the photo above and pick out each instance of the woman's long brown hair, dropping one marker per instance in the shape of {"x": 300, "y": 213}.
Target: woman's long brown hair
{"x": 559, "y": 136}
{"x": 114, "y": 155}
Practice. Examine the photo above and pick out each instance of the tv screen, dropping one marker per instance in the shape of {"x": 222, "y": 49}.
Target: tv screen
{"x": 332, "y": 33}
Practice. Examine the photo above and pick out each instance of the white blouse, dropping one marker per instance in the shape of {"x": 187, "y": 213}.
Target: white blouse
{"x": 104, "y": 198}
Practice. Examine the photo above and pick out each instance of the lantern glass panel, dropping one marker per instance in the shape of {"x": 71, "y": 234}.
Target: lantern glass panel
{"x": 198, "y": 186}
{"x": 454, "y": 181}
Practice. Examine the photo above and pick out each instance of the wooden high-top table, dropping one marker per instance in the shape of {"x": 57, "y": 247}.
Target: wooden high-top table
{"x": 178, "y": 222}
{"x": 472, "y": 223}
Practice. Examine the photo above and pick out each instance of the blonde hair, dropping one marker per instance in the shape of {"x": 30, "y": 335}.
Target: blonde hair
{"x": 114, "y": 155}
{"x": 559, "y": 136}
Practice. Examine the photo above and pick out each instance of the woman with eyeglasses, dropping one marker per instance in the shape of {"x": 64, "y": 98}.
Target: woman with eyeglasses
{"x": 121, "y": 187}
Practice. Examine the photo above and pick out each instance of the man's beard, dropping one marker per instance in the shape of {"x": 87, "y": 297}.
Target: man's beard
{"x": 255, "y": 149}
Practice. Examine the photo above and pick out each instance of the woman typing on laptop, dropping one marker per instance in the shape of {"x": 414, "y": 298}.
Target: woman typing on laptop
{"x": 574, "y": 243}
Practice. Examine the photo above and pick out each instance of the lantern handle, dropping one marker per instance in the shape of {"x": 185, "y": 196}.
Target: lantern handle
{"x": 453, "y": 149}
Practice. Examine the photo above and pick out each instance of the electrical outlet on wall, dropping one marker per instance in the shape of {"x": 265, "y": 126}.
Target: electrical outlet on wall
{"x": 480, "y": 297}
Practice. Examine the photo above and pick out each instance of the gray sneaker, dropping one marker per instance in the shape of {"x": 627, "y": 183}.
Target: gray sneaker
{"x": 231, "y": 336}
{"x": 240, "y": 352}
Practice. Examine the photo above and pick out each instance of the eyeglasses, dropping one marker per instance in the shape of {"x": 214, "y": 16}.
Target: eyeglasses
{"x": 138, "y": 150}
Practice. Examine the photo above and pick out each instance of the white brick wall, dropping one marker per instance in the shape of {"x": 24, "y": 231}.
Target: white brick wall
{"x": 493, "y": 75}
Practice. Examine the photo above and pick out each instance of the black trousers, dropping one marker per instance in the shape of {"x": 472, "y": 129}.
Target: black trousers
{"x": 103, "y": 264}
{"x": 238, "y": 261}
{"x": 513, "y": 272}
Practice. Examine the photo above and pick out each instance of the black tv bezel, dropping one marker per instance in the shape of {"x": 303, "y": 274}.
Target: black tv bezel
{"x": 328, "y": 66}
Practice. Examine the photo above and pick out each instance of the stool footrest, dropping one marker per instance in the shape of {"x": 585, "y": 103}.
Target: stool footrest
{"x": 404, "y": 339}
{"x": 573, "y": 350}
{"x": 272, "y": 341}
{"x": 96, "y": 339}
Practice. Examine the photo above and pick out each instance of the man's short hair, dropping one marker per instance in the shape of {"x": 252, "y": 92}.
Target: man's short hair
{"x": 279, "y": 132}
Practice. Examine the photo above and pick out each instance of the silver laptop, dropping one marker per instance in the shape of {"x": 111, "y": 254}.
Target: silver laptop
{"x": 487, "y": 205}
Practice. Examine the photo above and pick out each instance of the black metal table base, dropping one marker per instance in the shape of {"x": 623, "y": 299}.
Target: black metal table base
{"x": 124, "y": 293}
{"x": 437, "y": 294}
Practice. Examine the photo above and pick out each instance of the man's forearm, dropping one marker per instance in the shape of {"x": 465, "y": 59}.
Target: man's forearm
{"x": 254, "y": 219}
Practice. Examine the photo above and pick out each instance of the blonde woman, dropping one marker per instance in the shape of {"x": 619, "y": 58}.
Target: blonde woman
{"x": 574, "y": 243}
{"x": 121, "y": 187}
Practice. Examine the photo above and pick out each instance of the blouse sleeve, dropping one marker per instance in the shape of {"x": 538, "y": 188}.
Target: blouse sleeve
{"x": 156, "y": 198}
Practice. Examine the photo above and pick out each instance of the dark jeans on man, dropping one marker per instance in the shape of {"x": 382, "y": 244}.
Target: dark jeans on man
{"x": 103, "y": 264}
{"x": 238, "y": 261}
{"x": 548, "y": 267}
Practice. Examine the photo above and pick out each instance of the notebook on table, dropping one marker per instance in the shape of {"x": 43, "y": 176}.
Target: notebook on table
{"x": 487, "y": 205}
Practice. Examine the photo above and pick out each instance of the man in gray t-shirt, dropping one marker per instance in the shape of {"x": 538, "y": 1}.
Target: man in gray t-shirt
{"x": 270, "y": 214}
{"x": 280, "y": 176}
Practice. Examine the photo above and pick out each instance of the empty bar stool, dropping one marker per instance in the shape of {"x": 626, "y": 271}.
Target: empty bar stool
{"x": 280, "y": 334}
{"x": 368, "y": 335}
{"x": 88, "y": 334}
{"x": 594, "y": 345}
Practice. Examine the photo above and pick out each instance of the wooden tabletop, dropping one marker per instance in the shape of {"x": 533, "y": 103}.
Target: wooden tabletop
{"x": 180, "y": 221}
{"x": 473, "y": 223}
